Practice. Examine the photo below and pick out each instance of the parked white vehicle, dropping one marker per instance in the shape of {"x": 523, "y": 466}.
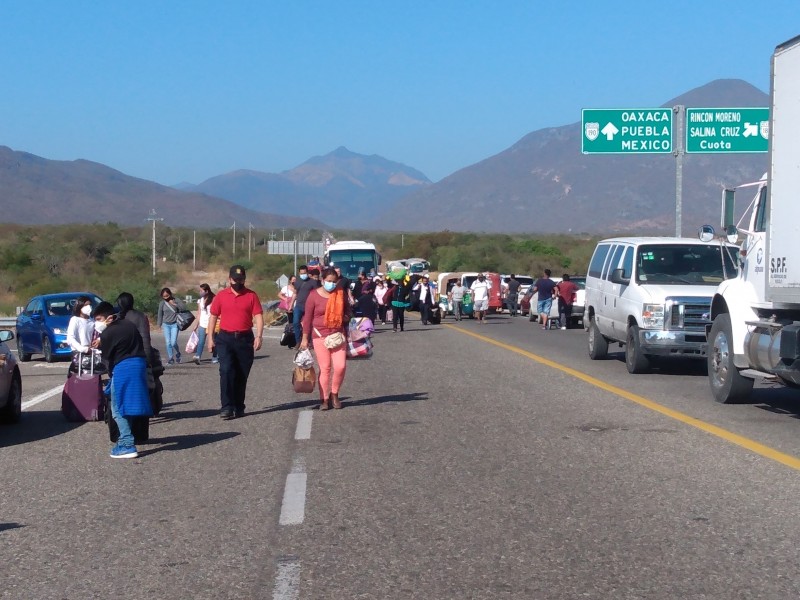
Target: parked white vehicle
{"x": 653, "y": 294}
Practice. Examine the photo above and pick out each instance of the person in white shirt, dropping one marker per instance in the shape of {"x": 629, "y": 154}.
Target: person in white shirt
{"x": 480, "y": 296}
{"x": 80, "y": 329}
{"x": 286, "y": 296}
{"x": 425, "y": 299}
{"x": 203, "y": 304}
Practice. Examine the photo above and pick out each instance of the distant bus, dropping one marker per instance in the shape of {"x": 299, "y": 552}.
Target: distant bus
{"x": 353, "y": 256}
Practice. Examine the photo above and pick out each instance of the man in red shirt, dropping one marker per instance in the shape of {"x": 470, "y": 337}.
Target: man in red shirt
{"x": 236, "y": 308}
{"x": 566, "y": 291}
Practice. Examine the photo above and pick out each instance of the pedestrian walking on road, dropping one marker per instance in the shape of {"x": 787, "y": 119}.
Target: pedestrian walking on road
{"x": 456, "y": 296}
{"x": 168, "y": 310}
{"x": 565, "y": 292}
{"x": 237, "y": 308}
{"x": 123, "y": 350}
{"x": 201, "y": 323}
{"x": 512, "y": 294}
{"x": 425, "y": 295}
{"x": 544, "y": 286}
{"x": 401, "y": 300}
{"x": 305, "y": 285}
{"x": 326, "y": 317}
{"x": 480, "y": 296}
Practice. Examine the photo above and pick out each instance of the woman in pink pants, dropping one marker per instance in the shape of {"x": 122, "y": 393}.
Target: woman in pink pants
{"x": 327, "y": 313}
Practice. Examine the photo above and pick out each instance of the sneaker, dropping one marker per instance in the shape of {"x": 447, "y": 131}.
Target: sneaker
{"x": 178, "y": 357}
{"x": 197, "y": 360}
{"x": 124, "y": 452}
{"x": 544, "y": 327}
{"x": 563, "y": 328}
{"x": 215, "y": 361}
{"x": 171, "y": 361}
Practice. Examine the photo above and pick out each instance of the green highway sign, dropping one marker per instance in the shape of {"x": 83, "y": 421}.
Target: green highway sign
{"x": 720, "y": 130}
{"x": 626, "y": 130}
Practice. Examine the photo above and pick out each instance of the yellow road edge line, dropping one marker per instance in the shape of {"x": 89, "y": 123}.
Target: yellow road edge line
{"x": 734, "y": 438}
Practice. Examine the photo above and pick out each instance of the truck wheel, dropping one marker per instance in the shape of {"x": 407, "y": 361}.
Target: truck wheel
{"x": 598, "y": 345}
{"x": 635, "y": 360}
{"x": 727, "y": 384}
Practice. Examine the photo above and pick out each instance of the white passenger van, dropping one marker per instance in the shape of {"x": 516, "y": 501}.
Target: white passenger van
{"x": 653, "y": 294}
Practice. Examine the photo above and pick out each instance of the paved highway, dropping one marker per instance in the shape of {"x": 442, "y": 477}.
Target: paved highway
{"x": 470, "y": 461}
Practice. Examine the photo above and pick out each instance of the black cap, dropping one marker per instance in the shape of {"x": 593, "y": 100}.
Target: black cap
{"x": 237, "y": 273}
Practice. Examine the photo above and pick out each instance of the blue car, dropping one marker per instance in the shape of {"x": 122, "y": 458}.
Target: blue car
{"x": 42, "y": 326}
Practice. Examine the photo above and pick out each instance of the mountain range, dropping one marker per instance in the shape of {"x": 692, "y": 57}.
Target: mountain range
{"x": 342, "y": 188}
{"x": 38, "y": 191}
{"x": 542, "y": 183}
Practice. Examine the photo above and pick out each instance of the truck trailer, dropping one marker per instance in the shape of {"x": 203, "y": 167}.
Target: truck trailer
{"x": 755, "y": 327}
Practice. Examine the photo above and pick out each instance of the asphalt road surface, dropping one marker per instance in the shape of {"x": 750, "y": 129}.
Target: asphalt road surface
{"x": 469, "y": 461}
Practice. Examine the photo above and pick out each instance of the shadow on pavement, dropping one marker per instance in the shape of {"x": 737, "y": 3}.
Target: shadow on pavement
{"x": 186, "y": 442}
{"x": 7, "y": 526}
{"x": 409, "y": 397}
{"x": 35, "y": 426}
{"x": 313, "y": 400}
{"x": 777, "y": 399}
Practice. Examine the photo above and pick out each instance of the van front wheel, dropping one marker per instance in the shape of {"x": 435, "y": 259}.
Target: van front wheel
{"x": 635, "y": 360}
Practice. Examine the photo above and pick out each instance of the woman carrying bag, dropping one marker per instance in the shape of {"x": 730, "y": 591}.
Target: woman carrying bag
{"x": 327, "y": 314}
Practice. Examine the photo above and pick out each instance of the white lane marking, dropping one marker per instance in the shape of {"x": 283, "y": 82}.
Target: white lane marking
{"x": 287, "y": 580}
{"x": 293, "y": 509}
{"x": 303, "y": 431}
{"x": 42, "y": 397}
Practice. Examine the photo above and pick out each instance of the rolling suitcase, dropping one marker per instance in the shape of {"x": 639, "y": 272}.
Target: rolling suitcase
{"x": 82, "y": 398}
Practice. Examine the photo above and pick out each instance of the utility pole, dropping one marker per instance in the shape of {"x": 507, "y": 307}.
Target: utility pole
{"x": 154, "y": 218}
{"x": 233, "y": 246}
{"x": 284, "y": 234}
{"x": 249, "y": 239}
{"x": 680, "y": 113}
{"x": 194, "y": 250}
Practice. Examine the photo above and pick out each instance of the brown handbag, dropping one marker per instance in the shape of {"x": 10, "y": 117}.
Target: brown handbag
{"x": 304, "y": 380}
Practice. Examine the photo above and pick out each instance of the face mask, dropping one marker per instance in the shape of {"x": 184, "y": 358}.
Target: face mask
{"x": 329, "y": 286}
{"x": 202, "y": 293}
{"x": 86, "y": 310}
{"x": 303, "y": 276}
{"x": 238, "y": 286}
{"x": 100, "y": 326}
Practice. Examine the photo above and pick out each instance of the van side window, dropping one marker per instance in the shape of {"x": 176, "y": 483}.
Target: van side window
{"x": 596, "y": 264}
{"x": 627, "y": 263}
{"x": 614, "y": 262}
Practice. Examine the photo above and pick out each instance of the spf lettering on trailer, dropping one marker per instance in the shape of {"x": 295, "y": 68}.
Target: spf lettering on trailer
{"x": 778, "y": 269}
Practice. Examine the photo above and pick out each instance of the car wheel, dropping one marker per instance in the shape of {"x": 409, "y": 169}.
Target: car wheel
{"x": 12, "y": 411}
{"x": 727, "y": 384}
{"x": 47, "y": 350}
{"x": 23, "y": 356}
{"x": 598, "y": 345}
{"x": 635, "y": 360}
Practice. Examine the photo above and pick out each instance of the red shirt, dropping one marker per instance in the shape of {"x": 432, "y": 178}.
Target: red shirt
{"x": 314, "y": 317}
{"x": 567, "y": 291}
{"x": 236, "y": 312}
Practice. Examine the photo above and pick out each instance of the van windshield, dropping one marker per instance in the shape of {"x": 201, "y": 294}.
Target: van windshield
{"x": 694, "y": 264}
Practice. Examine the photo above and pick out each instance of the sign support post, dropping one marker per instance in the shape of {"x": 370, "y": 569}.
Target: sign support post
{"x": 679, "y": 111}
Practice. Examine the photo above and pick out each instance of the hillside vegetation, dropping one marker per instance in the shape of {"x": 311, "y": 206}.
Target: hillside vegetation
{"x": 108, "y": 259}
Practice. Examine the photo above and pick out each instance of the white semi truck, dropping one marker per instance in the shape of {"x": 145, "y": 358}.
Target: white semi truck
{"x": 755, "y": 329}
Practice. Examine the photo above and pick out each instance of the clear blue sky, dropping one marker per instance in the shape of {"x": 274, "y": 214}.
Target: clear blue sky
{"x": 184, "y": 90}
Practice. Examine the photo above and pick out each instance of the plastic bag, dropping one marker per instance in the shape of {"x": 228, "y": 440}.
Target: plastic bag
{"x": 304, "y": 359}
{"x": 191, "y": 345}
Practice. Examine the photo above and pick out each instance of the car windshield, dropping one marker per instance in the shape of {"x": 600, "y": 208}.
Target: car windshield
{"x": 694, "y": 264}
{"x": 579, "y": 281}
{"x": 62, "y": 306}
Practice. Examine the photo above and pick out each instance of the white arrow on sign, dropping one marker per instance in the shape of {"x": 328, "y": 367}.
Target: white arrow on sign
{"x": 750, "y": 129}
{"x": 610, "y": 130}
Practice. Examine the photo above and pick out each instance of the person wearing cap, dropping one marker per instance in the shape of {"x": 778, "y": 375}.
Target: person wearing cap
{"x": 236, "y": 308}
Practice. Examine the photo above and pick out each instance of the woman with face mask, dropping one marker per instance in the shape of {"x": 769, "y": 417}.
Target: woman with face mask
{"x": 80, "y": 330}
{"x": 327, "y": 312}
{"x": 168, "y": 310}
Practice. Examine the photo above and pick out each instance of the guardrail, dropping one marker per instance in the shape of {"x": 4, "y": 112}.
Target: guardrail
{"x": 8, "y": 322}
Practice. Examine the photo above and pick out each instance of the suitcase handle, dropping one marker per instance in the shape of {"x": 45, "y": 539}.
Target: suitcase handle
{"x": 91, "y": 361}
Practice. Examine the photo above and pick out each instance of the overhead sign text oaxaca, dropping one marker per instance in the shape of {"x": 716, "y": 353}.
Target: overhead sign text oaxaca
{"x": 626, "y": 130}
